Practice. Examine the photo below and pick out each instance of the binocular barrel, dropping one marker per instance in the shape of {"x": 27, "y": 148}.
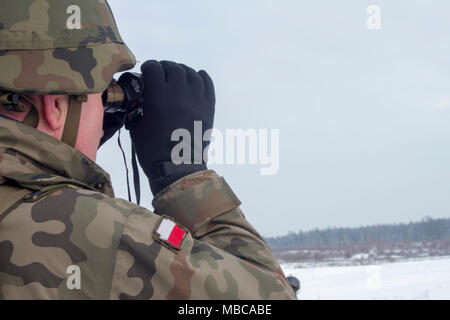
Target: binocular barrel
{"x": 124, "y": 95}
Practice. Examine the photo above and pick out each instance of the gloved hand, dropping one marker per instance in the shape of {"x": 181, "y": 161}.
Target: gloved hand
{"x": 175, "y": 96}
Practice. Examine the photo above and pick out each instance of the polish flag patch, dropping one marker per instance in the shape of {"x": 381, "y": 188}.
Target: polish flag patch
{"x": 171, "y": 233}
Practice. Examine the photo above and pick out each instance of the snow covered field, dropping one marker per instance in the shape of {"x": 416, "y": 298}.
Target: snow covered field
{"x": 421, "y": 279}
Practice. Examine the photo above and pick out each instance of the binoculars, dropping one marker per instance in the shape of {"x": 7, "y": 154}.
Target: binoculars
{"x": 125, "y": 95}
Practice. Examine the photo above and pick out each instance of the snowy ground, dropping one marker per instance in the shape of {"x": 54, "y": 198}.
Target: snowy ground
{"x": 426, "y": 279}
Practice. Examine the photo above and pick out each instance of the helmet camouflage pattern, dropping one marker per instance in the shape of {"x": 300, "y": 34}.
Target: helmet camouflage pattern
{"x": 59, "y": 46}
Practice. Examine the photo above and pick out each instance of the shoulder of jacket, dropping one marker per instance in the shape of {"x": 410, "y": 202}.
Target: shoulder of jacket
{"x": 40, "y": 181}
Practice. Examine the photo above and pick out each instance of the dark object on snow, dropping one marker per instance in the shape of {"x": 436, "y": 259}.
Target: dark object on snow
{"x": 295, "y": 283}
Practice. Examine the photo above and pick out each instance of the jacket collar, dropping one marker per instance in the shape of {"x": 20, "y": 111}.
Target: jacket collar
{"x": 24, "y": 149}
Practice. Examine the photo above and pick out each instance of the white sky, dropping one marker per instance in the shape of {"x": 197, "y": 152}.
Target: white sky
{"x": 363, "y": 115}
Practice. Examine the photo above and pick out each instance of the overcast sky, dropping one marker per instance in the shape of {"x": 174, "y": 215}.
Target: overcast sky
{"x": 364, "y": 115}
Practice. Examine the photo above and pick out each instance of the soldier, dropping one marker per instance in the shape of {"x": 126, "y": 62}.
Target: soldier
{"x": 63, "y": 234}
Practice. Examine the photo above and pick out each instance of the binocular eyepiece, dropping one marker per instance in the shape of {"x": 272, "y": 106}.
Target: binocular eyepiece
{"x": 125, "y": 95}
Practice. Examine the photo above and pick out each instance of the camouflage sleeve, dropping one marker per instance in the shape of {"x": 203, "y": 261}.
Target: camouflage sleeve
{"x": 205, "y": 204}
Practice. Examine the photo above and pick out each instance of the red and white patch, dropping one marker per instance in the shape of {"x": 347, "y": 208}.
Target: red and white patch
{"x": 170, "y": 232}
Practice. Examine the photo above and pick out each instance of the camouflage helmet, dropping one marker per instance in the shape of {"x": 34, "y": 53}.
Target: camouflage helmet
{"x": 68, "y": 47}
{"x": 59, "y": 46}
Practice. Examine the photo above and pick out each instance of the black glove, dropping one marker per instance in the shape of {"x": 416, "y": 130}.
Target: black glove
{"x": 175, "y": 96}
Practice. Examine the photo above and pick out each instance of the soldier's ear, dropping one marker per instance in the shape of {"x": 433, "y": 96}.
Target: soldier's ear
{"x": 55, "y": 111}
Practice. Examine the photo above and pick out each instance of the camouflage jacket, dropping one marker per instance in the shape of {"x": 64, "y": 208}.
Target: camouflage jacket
{"x": 65, "y": 215}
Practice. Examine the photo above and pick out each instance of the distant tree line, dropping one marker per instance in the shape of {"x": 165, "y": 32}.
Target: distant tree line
{"x": 428, "y": 229}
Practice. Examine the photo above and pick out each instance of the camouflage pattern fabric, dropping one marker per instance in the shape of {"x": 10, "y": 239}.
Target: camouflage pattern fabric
{"x": 77, "y": 221}
{"x": 60, "y": 46}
